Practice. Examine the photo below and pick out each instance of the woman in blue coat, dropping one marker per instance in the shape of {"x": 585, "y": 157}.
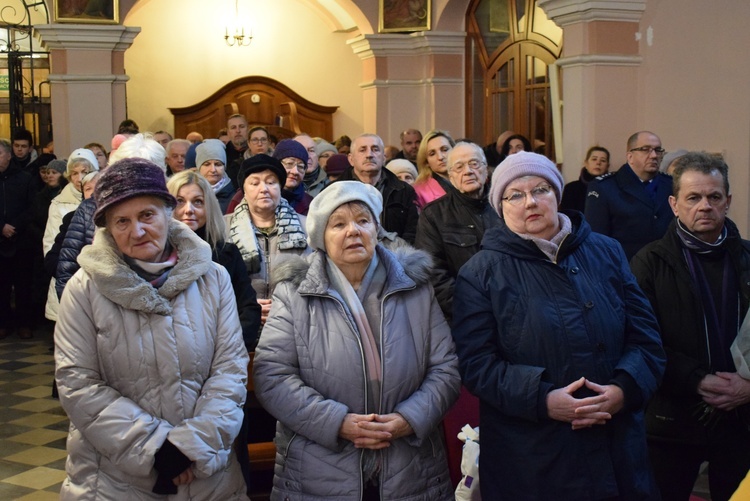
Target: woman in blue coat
{"x": 559, "y": 344}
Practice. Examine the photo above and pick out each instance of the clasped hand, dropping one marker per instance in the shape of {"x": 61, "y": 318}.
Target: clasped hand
{"x": 374, "y": 431}
{"x": 584, "y": 412}
{"x": 724, "y": 390}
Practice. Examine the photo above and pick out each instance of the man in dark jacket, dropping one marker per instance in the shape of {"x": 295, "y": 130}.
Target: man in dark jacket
{"x": 631, "y": 204}
{"x": 16, "y": 198}
{"x": 451, "y": 228}
{"x": 696, "y": 278}
{"x": 399, "y": 211}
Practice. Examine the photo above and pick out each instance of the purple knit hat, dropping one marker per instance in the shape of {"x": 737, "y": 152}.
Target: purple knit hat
{"x": 337, "y": 164}
{"x": 126, "y": 179}
{"x": 523, "y": 163}
{"x": 290, "y": 148}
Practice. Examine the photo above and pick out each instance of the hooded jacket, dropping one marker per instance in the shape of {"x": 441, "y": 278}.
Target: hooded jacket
{"x": 525, "y": 325}
{"x": 137, "y": 366}
{"x": 309, "y": 373}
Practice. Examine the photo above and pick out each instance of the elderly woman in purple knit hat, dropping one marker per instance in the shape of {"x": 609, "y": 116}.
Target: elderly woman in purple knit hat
{"x": 560, "y": 345}
{"x": 150, "y": 362}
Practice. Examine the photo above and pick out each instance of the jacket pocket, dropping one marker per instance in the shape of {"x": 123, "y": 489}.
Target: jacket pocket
{"x": 283, "y": 443}
{"x": 459, "y": 236}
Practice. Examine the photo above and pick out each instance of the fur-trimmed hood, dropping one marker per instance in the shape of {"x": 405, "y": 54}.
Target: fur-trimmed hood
{"x": 406, "y": 267}
{"x": 116, "y": 281}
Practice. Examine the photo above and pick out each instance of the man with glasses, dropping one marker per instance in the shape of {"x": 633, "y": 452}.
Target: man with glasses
{"x": 696, "y": 278}
{"x": 632, "y": 204}
{"x": 367, "y": 157}
{"x": 293, "y": 157}
{"x": 451, "y": 228}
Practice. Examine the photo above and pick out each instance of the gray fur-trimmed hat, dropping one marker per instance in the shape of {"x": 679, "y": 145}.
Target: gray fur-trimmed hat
{"x": 331, "y": 198}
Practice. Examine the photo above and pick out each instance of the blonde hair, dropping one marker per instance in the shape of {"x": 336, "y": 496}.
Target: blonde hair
{"x": 423, "y": 168}
{"x": 215, "y": 227}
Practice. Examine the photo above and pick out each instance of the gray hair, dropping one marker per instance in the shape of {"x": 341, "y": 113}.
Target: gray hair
{"x": 477, "y": 149}
{"x": 141, "y": 146}
{"x": 699, "y": 161}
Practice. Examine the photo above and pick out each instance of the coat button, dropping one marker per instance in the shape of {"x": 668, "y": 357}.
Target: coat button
{"x": 574, "y": 270}
{"x": 601, "y": 347}
{"x": 589, "y": 304}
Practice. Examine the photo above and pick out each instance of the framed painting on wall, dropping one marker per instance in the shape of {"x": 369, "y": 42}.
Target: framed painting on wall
{"x": 87, "y": 11}
{"x": 404, "y": 15}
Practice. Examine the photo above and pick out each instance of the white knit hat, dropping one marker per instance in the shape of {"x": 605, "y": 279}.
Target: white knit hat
{"x": 523, "y": 163}
{"x": 399, "y": 165}
{"x": 330, "y": 199}
{"x": 82, "y": 154}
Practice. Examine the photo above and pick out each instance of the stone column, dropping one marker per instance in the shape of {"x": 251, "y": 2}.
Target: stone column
{"x": 87, "y": 81}
{"x": 414, "y": 80}
{"x": 599, "y": 66}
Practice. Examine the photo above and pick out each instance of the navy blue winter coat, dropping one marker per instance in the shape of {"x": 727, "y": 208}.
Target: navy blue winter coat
{"x": 524, "y": 326}
{"x": 80, "y": 233}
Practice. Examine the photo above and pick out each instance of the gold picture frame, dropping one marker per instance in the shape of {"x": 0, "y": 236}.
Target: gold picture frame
{"x": 87, "y": 11}
{"x": 397, "y": 16}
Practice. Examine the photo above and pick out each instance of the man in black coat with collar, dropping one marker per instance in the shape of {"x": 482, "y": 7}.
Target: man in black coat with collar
{"x": 631, "y": 205}
{"x": 697, "y": 278}
{"x": 367, "y": 158}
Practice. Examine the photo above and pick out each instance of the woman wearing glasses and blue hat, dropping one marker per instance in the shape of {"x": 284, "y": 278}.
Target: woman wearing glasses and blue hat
{"x": 559, "y": 344}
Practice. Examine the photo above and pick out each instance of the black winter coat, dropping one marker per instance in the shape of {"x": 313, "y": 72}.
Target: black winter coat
{"x": 16, "y": 198}
{"x": 662, "y": 272}
{"x": 451, "y": 229}
{"x": 400, "y": 213}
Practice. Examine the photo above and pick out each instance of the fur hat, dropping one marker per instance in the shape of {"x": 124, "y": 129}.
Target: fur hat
{"x": 290, "y": 148}
{"x": 210, "y": 149}
{"x": 523, "y": 163}
{"x": 399, "y": 165}
{"x": 330, "y": 199}
{"x": 126, "y": 179}
{"x": 258, "y": 163}
{"x": 82, "y": 154}
{"x": 337, "y": 164}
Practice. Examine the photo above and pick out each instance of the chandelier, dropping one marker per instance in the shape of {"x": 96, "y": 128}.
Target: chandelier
{"x": 234, "y": 33}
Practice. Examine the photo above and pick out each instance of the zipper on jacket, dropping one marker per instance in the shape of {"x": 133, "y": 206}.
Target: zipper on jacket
{"x": 285, "y": 454}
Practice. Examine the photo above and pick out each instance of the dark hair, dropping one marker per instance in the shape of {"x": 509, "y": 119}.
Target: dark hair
{"x": 699, "y": 161}
{"x": 597, "y": 148}
{"x": 342, "y": 141}
{"x": 128, "y": 126}
{"x": 23, "y": 135}
{"x": 506, "y": 145}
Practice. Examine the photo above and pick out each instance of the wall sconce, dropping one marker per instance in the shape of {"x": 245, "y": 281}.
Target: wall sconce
{"x": 234, "y": 34}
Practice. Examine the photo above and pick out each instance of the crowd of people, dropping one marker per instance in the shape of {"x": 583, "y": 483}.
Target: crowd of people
{"x": 595, "y": 327}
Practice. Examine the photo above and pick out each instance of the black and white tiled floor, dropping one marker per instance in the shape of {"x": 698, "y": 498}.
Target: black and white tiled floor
{"x": 33, "y": 426}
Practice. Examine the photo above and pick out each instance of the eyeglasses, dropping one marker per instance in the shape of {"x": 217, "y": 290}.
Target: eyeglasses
{"x": 259, "y": 140}
{"x": 519, "y": 197}
{"x": 291, "y": 164}
{"x": 648, "y": 149}
{"x": 460, "y": 167}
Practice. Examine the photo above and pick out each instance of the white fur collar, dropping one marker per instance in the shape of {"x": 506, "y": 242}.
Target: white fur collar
{"x": 117, "y": 282}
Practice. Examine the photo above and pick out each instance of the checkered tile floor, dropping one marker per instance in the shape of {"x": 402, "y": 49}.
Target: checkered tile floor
{"x": 33, "y": 426}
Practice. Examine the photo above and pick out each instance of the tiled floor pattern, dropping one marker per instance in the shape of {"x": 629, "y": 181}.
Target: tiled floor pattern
{"x": 33, "y": 426}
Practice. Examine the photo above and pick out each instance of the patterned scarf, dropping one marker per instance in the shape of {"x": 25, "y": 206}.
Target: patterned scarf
{"x": 242, "y": 232}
